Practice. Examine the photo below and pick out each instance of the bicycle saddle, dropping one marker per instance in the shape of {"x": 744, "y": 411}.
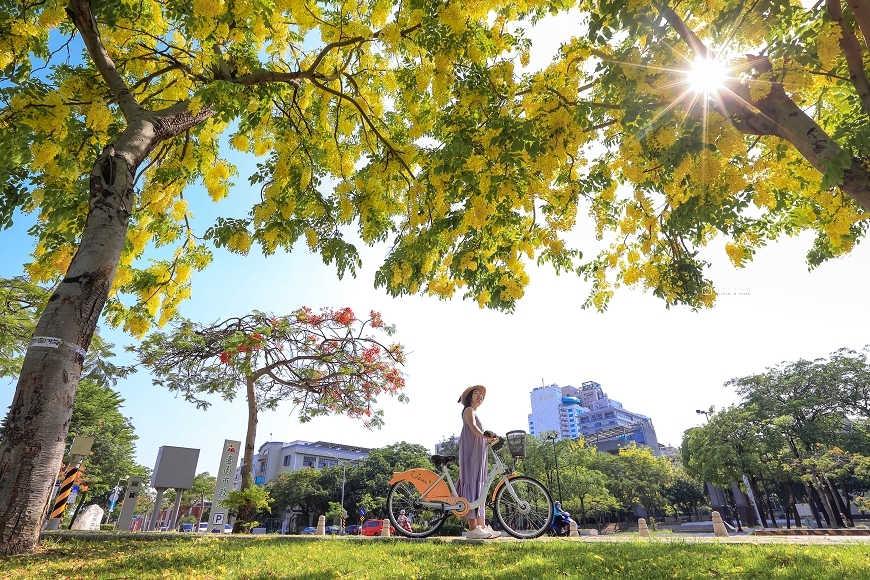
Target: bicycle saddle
{"x": 439, "y": 460}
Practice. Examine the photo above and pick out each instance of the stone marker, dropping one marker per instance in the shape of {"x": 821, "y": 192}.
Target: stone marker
{"x": 321, "y": 526}
{"x": 89, "y": 519}
{"x": 385, "y": 529}
{"x": 719, "y": 530}
{"x": 573, "y": 530}
{"x": 642, "y": 528}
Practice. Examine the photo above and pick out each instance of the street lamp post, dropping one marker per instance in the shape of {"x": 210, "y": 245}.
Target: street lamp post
{"x": 705, "y": 413}
{"x": 343, "y": 476}
{"x": 556, "y": 462}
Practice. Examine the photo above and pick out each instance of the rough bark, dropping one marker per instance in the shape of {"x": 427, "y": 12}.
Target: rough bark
{"x": 38, "y": 419}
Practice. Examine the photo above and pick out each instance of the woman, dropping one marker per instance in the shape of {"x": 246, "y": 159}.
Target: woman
{"x": 473, "y": 461}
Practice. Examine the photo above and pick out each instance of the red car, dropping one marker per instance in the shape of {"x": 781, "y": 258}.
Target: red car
{"x": 374, "y": 527}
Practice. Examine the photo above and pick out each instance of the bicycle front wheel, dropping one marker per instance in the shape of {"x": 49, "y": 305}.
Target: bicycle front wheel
{"x": 530, "y": 514}
{"x": 423, "y": 521}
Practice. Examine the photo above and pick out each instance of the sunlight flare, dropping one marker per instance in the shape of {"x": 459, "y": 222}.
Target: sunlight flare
{"x": 706, "y": 76}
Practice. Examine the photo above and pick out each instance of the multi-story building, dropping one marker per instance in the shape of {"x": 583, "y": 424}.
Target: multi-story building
{"x": 588, "y": 412}
{"x": 277, "y": 456}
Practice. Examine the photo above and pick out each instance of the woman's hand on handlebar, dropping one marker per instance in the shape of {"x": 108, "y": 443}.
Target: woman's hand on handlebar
{"x": 490, "y": 436}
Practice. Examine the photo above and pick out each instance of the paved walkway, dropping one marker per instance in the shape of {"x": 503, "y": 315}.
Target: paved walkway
{"x": 608, "y": 538}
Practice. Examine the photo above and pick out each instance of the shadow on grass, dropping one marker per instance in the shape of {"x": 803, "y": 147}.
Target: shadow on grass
{"x": 262, "y": 558}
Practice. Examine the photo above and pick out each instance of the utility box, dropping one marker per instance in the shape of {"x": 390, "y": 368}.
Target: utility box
{"x": 131, "y": 495}
{"x": 175, "y": 468}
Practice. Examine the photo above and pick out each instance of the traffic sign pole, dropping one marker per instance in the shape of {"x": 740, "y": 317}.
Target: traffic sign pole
{"x": 80, "y": 448}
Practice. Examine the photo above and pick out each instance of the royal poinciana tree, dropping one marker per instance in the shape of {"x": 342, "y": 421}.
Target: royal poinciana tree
{"x": 326, "y": 362}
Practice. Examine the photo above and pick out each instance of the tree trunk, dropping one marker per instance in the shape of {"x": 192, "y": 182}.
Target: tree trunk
{"x": 250, "y": 436}
{"x": 830, "y": 502}
{"x": 770, "y": 509}
{"x": 845, "y": 514}
{"x": 787, "y": 499}
{"x": 758, "y": 505}
{"x": 38, "y": 420}
{"x": 820, "y": 508}
{"x": 250, "y": 439}
{"x": 792, "y": 496}
{"x": 848, "y": 504}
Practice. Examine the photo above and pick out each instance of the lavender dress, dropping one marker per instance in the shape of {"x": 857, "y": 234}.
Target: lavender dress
{"x": 472, "y": 466}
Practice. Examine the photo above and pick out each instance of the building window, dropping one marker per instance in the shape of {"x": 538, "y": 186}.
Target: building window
{"x": 263, "y": 467}
{"x": 287, "y": 460}
{"x": 321, "y": 463}
{"x": 308, "y": 461}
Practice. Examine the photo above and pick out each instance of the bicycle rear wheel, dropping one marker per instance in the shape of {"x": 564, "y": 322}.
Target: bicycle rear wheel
{"x": 424, "y": 521}
{"x": 530, "y": 514}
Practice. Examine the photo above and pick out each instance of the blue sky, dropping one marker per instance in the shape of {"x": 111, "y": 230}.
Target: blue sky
{"x": 662, "y": 363}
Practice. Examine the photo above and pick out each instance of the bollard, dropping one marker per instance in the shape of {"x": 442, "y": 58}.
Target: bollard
{"x": 321, "y": 526}
{"x": 385, "y": 529}
{"x": 642, "y": 528}
{"x": 573, "y": 533}
{"x": 719, "y": 530}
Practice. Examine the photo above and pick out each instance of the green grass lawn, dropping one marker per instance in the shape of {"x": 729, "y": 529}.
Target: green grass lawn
{"x": 256, "y": 558}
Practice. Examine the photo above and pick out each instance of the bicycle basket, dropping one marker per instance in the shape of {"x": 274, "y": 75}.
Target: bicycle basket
{"x": 516, "y": 441}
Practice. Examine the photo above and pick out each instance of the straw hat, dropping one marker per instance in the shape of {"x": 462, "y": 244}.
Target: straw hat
{"x": 481, "y": 388}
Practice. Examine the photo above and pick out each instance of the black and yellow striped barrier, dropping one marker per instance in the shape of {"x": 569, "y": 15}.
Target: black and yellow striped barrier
{"x": 63, "y": 493}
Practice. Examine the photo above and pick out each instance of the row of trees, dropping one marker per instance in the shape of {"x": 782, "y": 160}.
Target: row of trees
{"x": 801, "y": 434}
{"x": 598, "y": 485}
{"x": 436, "y": 140}
{"x": 595, "y": 487}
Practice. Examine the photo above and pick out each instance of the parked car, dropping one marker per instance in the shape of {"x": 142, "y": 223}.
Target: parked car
{"x": 309, "y": 530}
{"x": 206, "y": 527}
{"x": 332, "y": 529}
{"x": 352, "y": 530}
{"x": 373, "y": 528}
{"x": 186, "y": 527}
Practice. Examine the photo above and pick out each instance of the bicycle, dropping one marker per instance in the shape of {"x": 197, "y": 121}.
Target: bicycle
{"x": 523, "y": 505}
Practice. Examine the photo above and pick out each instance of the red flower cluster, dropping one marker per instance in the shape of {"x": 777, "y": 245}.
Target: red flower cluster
{"x": 344, "y": 316}
{"x": 370, "y": 354}
{"x": 377, "y": 321}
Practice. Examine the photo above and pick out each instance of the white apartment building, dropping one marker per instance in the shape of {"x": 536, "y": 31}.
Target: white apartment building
{"x": 277, "y": 456}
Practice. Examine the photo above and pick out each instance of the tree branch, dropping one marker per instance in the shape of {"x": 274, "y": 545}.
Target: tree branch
{"x": 82, "y": 17}
{"x": 368, "y": 122}
{"x": 861, "y": 11}
{"x": 776, "y": 114}
{"x": 852, "y": 51}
